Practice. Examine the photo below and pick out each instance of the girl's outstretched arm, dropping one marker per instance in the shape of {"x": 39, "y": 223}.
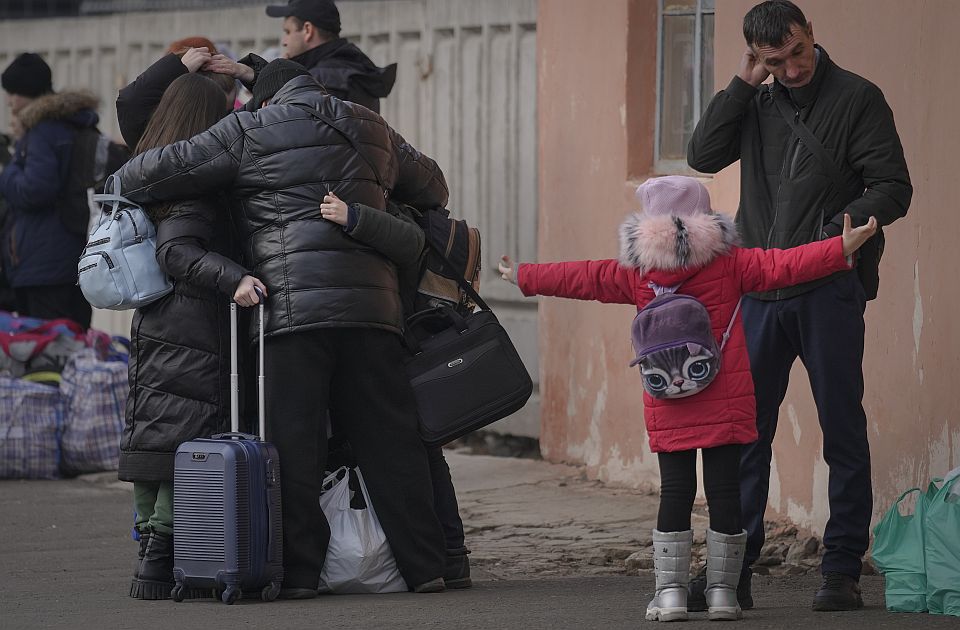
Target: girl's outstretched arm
{"x": 600, "y": 280}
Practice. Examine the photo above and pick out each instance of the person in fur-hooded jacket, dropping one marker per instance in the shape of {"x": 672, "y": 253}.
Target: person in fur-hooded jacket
{"x": 679, "y": 241}
{"x": 39, "y": 253}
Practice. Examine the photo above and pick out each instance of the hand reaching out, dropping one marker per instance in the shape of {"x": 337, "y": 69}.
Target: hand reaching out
{"x": 195, "y": 58}
{"x": 854, "y": 238}
{"x": 222, "y": 64}
{"x": 246, "y": 293}
{"x": 505, "y": 267}
{"x": 334, "y": 209}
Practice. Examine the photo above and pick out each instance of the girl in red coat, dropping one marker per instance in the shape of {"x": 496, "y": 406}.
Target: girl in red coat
{"x": 679, "y": 243}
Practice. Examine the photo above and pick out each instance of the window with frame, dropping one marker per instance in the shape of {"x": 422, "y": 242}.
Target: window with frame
{"x": 684, "y": 76}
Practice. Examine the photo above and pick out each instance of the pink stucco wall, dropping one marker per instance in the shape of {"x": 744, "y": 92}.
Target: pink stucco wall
{"x": 596, "y": 107}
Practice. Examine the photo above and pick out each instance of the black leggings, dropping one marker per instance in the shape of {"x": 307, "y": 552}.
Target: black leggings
{"x": 721, "y": 482}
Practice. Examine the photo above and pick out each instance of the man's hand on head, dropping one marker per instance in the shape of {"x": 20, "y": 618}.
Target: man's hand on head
{"x": 751, "y": 70}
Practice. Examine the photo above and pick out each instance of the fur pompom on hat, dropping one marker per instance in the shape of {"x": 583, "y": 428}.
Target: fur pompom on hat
{"x": 676, "y": 228}
{"x": 28, "y": 75}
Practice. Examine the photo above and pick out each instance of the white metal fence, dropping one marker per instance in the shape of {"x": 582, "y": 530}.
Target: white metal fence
{"x": 465, "y": 95}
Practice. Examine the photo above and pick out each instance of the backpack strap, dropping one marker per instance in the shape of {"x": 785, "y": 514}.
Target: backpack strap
{"x": 459, "y": 278}
{"x": 660, "y": 290}
{"x": 726, "y": 333}
{"x": 350, "y": 139}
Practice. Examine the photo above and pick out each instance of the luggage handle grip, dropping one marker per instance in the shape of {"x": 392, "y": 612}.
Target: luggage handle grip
{"x": 231, "y": 435}
{"x": 235, "y": 374}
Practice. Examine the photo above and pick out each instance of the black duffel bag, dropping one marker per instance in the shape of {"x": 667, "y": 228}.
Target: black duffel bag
{"x": 464, "y": 371}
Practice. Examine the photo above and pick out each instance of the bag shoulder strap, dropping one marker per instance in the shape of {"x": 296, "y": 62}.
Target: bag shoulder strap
{"x": 807, "y": 138}
{"x": 460, "y": 280}
{"x": 733, "y": 320}
{"x": 350, "y": 139}
{"x": 659, "y": 290}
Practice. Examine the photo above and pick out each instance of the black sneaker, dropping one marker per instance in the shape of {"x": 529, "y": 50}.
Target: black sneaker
{"x": 697, "y": 599}
{"x": 457, "y": 574}
{"x": 838, "y": 592}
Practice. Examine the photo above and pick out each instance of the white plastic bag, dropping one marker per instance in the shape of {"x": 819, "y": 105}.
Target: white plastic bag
{"x": 359, "y": 559}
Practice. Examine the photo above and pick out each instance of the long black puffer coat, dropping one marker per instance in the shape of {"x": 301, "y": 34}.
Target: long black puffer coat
{"x": 277, "y": 164}
{"x": 180, "y": 352}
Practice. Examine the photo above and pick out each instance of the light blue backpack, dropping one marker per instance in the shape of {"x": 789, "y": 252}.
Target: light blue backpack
{"x": 118, "y": 268}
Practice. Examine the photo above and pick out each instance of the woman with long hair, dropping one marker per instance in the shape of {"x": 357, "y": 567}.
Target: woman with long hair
{"x": 179, "y": 358}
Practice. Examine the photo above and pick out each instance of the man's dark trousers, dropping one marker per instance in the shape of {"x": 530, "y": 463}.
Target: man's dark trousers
{"x": 824, "y": 327}
{"x": 358, "y": 373}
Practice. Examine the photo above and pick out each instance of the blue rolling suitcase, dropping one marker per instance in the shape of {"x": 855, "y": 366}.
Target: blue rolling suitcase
{"x": 226, "y": 505}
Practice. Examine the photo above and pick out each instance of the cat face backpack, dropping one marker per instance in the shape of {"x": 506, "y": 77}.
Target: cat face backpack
{"x": 674, "y": 344}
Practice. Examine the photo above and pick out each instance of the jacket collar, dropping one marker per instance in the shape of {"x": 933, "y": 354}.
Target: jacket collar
{"x": 803, "y": 96}
{"x": 311, "y": 57}
{"x": 74, "y": 107}
{"x": 675, "y": 247}
{"x": 360, "y": 69}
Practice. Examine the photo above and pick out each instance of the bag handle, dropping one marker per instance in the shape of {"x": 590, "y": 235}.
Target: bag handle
{"x": 459, "y": 322}
{"x": 230, "y": 435}
{"x": 350, "y": 139}
{"x": 235, "y": 373}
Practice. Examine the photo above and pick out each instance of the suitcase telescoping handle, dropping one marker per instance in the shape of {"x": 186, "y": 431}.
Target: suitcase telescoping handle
{"x": 235, "y": 374}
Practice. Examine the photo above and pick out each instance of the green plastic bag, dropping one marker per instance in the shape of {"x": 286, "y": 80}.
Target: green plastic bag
{"x": 942, "y": 549}
{"x": 898, "y": 552}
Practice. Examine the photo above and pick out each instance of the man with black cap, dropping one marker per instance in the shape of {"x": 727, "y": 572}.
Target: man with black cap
{"x": 333, "y": 315}
{"x": 311, "y": 37}
{"x": 39, "y": 253}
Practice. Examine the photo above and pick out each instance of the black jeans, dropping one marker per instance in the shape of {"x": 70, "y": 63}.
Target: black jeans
{"x": 721, "y": 483}
{"x": 444, "y": 495}
{"x": 823, "y": 327}
{"x": 53, "y": 302}
{"x": 357, "y": 373}
{"x": 445, "y": 499}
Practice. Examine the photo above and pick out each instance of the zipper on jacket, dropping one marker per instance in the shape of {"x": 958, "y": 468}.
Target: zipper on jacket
{"x": 776, "y": 200}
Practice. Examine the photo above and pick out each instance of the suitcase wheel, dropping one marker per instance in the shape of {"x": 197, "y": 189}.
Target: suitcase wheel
{"x": 177, "y": 593}
{"x": 270, "y": 592}
{"x": 230, "y": 595}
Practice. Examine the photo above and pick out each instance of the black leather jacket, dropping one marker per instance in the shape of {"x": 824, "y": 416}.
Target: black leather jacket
{"x": 276, "y": 164}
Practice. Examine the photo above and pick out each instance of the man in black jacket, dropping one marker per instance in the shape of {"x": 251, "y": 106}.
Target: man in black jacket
{"x": 789, "y": 196}
{"x": 333, "y": 313}
{"x": 311, "y": 37}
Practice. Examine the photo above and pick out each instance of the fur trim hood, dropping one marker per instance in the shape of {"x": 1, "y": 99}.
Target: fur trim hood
{"x": 668, "y": 243}
{"x": 76, "y": 107}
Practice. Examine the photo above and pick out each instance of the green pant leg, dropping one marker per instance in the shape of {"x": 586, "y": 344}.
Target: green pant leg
{"x": 162, "y": 518}
{"x": 144, "y": 502}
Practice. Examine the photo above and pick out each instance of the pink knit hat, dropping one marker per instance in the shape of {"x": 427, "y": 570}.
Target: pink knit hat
{"x": 673, "y": 195}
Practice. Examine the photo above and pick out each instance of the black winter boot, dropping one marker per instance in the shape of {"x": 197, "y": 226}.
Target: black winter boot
{"x": 457, "y": 574}
{"x": 156, "y": 570}
{"x": 144, "y": 539}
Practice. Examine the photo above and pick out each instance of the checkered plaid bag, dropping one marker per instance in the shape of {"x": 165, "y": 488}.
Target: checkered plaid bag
{"x": 31, "y": 417}
{"x": 95, "y": 394}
